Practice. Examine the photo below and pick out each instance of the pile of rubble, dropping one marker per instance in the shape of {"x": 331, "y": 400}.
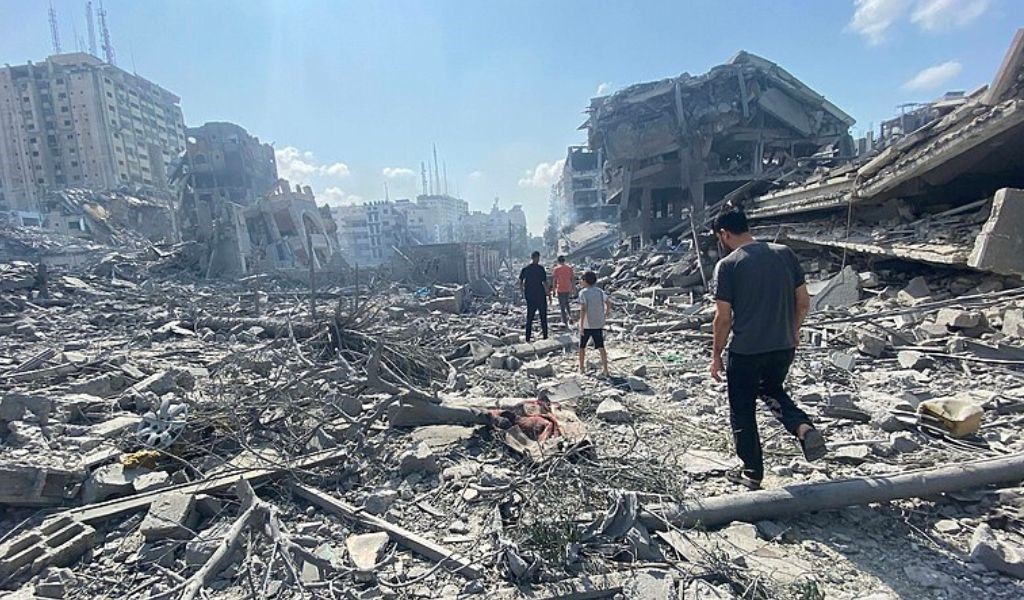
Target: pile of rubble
{"x": 166, "y": 437}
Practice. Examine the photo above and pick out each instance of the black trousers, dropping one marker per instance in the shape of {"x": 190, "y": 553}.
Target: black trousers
{"x": 532, "y": 308}
{"x": 750, "y": 376}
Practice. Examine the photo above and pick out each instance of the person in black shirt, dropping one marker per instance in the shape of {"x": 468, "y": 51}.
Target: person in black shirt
{"x": 761, "y": 299}
{"x": 533, "y": 281}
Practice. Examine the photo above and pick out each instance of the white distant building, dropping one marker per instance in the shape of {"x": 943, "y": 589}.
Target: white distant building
{"x": 76, "y": 121}
{"x": 506, "y": 226}
{"x": 368, "y": 233}
{"x": 445, "y": 215}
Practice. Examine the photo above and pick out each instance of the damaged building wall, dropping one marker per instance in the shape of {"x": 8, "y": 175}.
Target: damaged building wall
{"x": 685, "y": 143}
{"x": 929, "y": 194}
{"x": 457, "y": 263}
{"x": 580, "y": 189}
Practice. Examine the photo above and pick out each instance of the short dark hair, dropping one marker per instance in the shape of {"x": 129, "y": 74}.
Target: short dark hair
{"x": 590, "y": 277}
{"x": 535, "y": 254}
{"x": 561, "y": 259}
{"x": 733, "y": 221}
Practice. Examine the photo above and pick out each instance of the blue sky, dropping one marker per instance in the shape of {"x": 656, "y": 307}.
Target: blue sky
{"x": 353, "y": 94}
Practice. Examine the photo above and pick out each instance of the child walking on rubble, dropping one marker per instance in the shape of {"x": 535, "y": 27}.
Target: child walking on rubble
{"x": 594, "y": 308}
{"x": 761, "y": 298}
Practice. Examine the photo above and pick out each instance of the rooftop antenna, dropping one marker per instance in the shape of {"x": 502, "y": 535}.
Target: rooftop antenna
{"x": 74, "y": 34}
{"x": 387, "y": 194}
{"x": 437, "y": 177}
{"x": 54, "y": 32}
{"x": 108, "y": 48}
{"x": 92, "y": 28}
{"x": 423, "y": 176}
{"x": 444, "y": 166}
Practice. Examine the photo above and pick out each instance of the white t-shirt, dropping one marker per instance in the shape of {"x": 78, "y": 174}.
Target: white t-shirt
{"x": 592, "y": 301}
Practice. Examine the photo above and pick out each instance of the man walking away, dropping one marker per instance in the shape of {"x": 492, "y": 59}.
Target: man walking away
{"x": 594, "y": 308}
{"x": 533, "y": 281}
{"x": 761, "y": 297}
{"x": 564, "y": 288}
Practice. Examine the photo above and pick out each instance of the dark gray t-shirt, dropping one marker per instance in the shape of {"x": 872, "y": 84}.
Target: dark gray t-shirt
{"x": 759, "y": 280}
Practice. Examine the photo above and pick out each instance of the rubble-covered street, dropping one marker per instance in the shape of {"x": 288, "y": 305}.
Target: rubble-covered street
{"x": 225, "y": 377}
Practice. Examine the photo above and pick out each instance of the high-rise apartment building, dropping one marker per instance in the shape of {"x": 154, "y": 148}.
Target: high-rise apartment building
{"x": 76, "y": 121}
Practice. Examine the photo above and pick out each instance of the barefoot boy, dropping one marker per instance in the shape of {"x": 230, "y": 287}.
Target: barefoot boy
{"x": 594, "y": 307}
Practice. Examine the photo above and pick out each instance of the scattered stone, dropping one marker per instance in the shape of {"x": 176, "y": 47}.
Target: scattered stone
{"x": 366, "y": 550}
{"x": 947, "y": 526}
{"x": 843, "y": 360}
{"x": 640, "y": 371}
{"x": 926, "y": 576}
{"x": 995, "y": 555}
{"x": 953, "y": 318}
{"x": 853, "y": 454}
{"x": 637, "y": 384}
{"x": 912, "y": 359}
{"x": 171, "y": 515}
{"x": 872, "y": 345}
{"x": 916, "y": 292}
{"x": 904, "y": 442}
{"x": 380, "y": 501}
{"x": 612, "y": 411}
{"x": 1013, "y": 323}
{"x": 58, "y": 583}
{"x": 539, "y": 368}
{"x": 513, "y": 363}
{"x": 650, "y": 584}
{"x": 680, "y": 394}
{"x": 840, "y": 291}
{"x": 151, "y": 481}
{"x": 419, "y": 459}
{"x": 108, "y": 481}
{"x": 842, "y": 406}
{"x": 770, "y": 530}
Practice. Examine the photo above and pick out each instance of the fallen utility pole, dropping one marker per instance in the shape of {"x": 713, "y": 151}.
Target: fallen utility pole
{"x": 403, "y": 537}
{"x": 810, "y": 497}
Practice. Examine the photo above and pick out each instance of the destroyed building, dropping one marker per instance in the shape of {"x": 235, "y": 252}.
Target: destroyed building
{"x": 233, "y": 203}
{"x": 75, "y": 121}
{"x": 690, "y": 141}
{"x": 580, "y": 189}
{"x": 945, "y": 193}
{"x": 369, "y": 232}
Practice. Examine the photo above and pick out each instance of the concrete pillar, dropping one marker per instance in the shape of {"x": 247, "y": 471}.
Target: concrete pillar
{"x": 1000, "y": 247}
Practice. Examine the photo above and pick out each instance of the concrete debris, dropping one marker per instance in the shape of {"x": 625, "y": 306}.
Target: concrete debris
{"x": 613, "y": 411}
{"x": 995, "y": 555}
{"x": 234, "y": 398}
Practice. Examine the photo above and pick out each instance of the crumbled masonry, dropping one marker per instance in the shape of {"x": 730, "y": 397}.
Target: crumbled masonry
{"x": 200, "y": 419}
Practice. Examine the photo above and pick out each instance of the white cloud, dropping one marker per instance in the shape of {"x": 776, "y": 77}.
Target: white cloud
{"x": 300, "y": 166}
{"x": 397, "y": 172}
{"x": 475, "y": 175}
{"x": 934, "y": 77}
{"x": 872, "y": 19}
{"x": 543, "y": 175}
{"x": 943, "y": 15}
{"x": 335, "y": 196}
{"x": 338, "y": 169}
{"x": 603, "y": 89}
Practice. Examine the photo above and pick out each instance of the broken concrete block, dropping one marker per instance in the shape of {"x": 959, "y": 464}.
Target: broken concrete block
{"x": 380, "y": 501}
{"x": 649, "y": 584}
{"x": 912, "y": 359}
{"x": 171, "y": 515}
{"x": 680, "y": 395}
{"x": 20, "y": 433}
{"x": 961, "y": 417}
{"x": 853, "y": 454}
{"x": 1013, "y": 323}
{"x": 640, "y": 371}
{"x": 58, "y": 584}
{"x": 1000, "y": 247}
{"x": 770, "y": 530}
{"x": 930, "y": 330}
{"x": 151, "y": 481}
{"x": 497, "y": 360}
{"x": 57, "y": 542}
{"x": 843, "y": 360}
{"x": 513, "y": 363}
{"x": 953, "y": 318}
{"x": 842, "y": 406}
{"x": 904, "y": 442}
{"x": 838, "y": 292}
{"x": 539, "y": 368}
{"x": 637, "y": 384}
{"x": 107, "y": 481}
{"x": 916, "y": 292}
{"x": 366, "y": 550}
{"x": 115, "y": 427}
{"x": 872, "y": 345}
{"x": 200, "y": 548}
{"x": 419, "y": 459}
{"x": 868, "y": 279}
{"x": 995, "y": 555}
{"x": 612, "y": 411}
{"x": 948, "y": 526}
{"x": 13, "y": 407}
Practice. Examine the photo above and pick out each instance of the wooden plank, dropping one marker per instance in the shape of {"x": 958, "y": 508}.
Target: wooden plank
{"x": 111, "y": 508}
{"x": 413, "y": 541}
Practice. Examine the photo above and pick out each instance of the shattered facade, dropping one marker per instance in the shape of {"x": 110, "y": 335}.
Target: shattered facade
{"x": 285, "y": 226}
{"x": 74, "y": 121}
{"x": 686, "y": 143}
{"x": 580, "y": 189}
{"x": 369, "y": 232}
{"x": 928, "y": 195}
